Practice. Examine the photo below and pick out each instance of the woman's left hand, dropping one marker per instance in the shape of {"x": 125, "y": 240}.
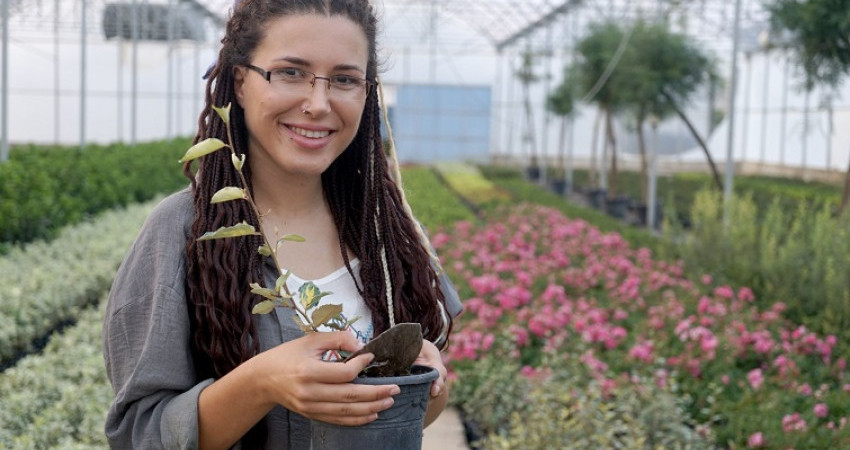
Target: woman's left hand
{"x": 431, "y": 357}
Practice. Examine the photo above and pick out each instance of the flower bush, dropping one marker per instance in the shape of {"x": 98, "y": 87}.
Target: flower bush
{"x": 549, "y": 293}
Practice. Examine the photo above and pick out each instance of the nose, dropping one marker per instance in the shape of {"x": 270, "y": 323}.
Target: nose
{"x": 320, "y": 96}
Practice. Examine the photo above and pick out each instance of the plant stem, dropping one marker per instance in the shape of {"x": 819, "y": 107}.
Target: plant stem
{"x": 250, "y": 199}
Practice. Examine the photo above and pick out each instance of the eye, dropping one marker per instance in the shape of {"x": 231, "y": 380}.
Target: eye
{"x": 346, "y": 81}
{"x": 291, "y": 74}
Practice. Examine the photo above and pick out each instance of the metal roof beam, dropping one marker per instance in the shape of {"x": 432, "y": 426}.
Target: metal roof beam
{"x": 543, "y": 21}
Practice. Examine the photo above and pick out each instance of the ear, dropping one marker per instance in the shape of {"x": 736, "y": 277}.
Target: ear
{"x": 238, "y": 82}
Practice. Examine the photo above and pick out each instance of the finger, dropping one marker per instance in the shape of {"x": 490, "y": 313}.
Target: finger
{"x": 350, "y": 393}
{"x": 336, "y": 340}
{"x": 347, "y": 411}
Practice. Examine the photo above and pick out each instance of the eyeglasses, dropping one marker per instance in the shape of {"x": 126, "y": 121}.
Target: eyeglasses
{"x": 295, "y": 80}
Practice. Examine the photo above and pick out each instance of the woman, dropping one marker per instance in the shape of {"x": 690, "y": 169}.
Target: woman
{"x": 190, "y": 365}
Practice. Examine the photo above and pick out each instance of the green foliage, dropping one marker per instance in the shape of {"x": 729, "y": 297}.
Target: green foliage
{"x": 799, "y": 256}
{"x": 660, "y": 67}
{"x": 59, "y": 398}
{"x": 43, "y": 189}
{"x": 568, "y": 412}
{"x": 467, "y": 182}
{"x": 816, "y": 33}
{"x": 490, "y": 392}
{"x": 34, "y": 299}
{"x": 434, "y": 204}
{"x": 522, "y": 191}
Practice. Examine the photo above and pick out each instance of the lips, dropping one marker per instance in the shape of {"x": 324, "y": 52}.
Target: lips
{"x": 312, "y": 134}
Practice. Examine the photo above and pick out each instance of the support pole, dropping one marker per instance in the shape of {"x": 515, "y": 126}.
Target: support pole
{"x": 730, "y": 138}
{"x": 83, "y": 75}
{"x": 4, "y": 87}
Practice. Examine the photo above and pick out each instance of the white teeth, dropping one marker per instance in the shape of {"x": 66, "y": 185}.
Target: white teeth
{"x": 310, "y": 133}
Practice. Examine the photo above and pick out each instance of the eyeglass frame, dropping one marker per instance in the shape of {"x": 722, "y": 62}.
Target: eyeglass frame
{"x": 267, "y": 74}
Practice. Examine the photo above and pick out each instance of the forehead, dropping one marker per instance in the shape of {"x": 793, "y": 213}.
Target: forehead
{"x": 315, "y": 38}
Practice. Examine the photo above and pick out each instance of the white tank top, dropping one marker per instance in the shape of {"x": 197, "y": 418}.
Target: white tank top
{"x": 343, "y": 292}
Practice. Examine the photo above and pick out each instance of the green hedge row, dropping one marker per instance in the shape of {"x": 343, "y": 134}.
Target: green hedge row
{"x": 43, "y": 189}
{"x": 678, "y": 191}
{"x": 511, "y": 180}
{"x": 59, "y": 398}
{"x": 45, "y": 284}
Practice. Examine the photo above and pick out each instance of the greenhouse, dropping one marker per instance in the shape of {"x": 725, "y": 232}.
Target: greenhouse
{"x": 641, "y": 206}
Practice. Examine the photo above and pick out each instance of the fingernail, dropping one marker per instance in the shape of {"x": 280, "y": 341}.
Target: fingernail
{"x": 395, "y": 390}
{"x": 435, "y": 392}
{"x": 388, "y": 402}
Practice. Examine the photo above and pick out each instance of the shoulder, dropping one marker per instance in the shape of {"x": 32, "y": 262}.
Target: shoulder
{"x": 157, "y": 257}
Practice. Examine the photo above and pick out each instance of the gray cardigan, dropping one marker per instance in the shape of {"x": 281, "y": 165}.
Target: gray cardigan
{"x": 146, "y": 342}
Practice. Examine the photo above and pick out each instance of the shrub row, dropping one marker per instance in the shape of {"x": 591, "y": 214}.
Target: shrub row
{"x": 468, "y": 183}
{"x": 523, "y": 191}
{"x": 59, "y": 398}
{"x": 433, "y": 203}
{"x": 43, "y": 189}
{"x": 44, "y": 284}
{"x": 799, "y": 256}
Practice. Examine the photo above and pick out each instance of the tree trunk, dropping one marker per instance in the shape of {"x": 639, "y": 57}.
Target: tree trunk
{"x": 696, "y": 135}
{"x": 845, "y": 196}
{"x": 644, "y": 167}
{"x": 609, "y": 128}
{"x": 562, "y": 147}
{"x": 593, "y": 150}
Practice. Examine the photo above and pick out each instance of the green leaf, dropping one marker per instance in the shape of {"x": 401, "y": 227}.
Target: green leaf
{"x": 227, "y": 194}
{"x": 223, "y": 112}
{"x": 292, "y": 237}
{"x": 203, "y": 148}
{"x": 264, "y": 307}
{"x": 310, "y": 294}
{"x": 304, "y": 327}
{"x": 238, "y": 161}
{"x": 281, "y": 282}
{"x": 264, "y": 250}
{"x": 240, "y": 229}
{"x": 265, "y": 292}
{"x": 325, "y": 313}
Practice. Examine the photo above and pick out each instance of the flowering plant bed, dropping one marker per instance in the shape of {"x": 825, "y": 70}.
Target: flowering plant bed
{"x": 552, "y": 294}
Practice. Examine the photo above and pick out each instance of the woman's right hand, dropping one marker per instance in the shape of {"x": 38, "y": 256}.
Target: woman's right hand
{"x": 294, "y": 375}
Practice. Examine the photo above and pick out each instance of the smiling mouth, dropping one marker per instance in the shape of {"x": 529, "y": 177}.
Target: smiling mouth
{"x": 313, "y": 134}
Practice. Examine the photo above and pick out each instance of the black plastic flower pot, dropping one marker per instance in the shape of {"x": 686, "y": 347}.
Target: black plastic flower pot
{"x": 399, "y": 427}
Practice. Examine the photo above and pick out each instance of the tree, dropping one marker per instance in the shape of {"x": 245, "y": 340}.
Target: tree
{"x": 661, "y": 71}
{"x": 598, "y": 56}
{"x": 819, "y": 39}
{"x": 561, "y": 102}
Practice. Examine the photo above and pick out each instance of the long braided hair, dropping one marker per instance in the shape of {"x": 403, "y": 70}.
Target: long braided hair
{"x": 366, "y": 204}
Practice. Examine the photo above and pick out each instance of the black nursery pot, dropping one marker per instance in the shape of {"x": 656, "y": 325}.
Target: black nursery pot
{"x": 398, "y": 428}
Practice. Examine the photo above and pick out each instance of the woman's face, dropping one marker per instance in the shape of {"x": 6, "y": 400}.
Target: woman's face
{"x": 283, "y": 138}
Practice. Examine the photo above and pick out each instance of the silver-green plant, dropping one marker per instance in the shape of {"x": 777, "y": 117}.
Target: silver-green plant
{"x": 309, "y": 315}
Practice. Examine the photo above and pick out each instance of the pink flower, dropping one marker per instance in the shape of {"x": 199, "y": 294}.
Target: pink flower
{"x": 793, "y": 422}
{"x": 706, "y": 279}
{"x": 642, "y": 351}
{"x": 805, "y": 389}
{"x": 746, "y": 294}
{"x": 724, "y": 292}
{"x": 724, "y": 379}
{"x": 756, "y": 440}
{"x": 755, "y": 378}
{"x": 821, "y": 410}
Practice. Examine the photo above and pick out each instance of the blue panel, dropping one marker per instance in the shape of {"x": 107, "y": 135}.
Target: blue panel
{"x": 432, "y": 123}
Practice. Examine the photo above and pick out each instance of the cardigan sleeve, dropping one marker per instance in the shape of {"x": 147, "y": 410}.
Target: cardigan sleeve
{"x": 146, "y": 340}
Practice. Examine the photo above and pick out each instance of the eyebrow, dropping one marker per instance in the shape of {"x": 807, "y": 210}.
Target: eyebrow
{"x": 303, "y": 62}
